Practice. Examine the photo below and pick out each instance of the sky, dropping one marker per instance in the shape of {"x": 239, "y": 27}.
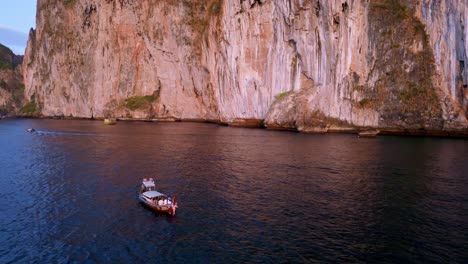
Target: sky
{"x": 16, "y": 18}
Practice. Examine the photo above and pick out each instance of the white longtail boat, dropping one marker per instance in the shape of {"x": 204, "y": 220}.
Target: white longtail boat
{"x": 155, "y": 200}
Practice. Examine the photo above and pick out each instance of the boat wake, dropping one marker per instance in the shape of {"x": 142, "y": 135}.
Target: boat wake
{"x": 61, "y": 133}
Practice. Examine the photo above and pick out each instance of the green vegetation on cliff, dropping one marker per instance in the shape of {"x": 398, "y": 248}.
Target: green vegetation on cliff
{"x": 198, "y": 15}
{"x": 69, "y": 2}
{"x": 8, "y": 60}
{"x": 364, "y": 102}
{"x": 137, "y": 102}
{"x": 11, "y": 81}
{"x": 6, "y": 66}
{"x": 405, "y": 93}
{"x": 29, "y": 108}
{"x": 282, "y": 95}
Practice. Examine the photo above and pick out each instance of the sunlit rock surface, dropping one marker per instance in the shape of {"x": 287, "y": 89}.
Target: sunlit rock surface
{"x": 305, "y": 65}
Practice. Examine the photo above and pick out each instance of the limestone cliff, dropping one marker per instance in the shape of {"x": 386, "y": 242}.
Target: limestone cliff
{"x": 304, "y": 65}
{"x": 11, "y": 82}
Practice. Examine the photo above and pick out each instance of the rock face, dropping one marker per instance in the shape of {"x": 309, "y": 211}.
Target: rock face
{"x": 305, "y": 65}
{"x": 11, "y": 82}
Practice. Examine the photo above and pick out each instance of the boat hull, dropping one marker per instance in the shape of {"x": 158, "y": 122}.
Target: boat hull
{"x": 110, "y": 121}
{"x": 169, "y": 209}
{"x": 371, "y": 133}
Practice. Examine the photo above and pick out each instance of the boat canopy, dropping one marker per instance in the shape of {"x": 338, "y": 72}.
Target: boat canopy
{"x": 152, "y": 194}
{"x": 149, "y": 184}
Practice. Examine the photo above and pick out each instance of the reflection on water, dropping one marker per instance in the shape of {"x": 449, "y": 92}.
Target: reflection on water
{"x": 68, "y": 194}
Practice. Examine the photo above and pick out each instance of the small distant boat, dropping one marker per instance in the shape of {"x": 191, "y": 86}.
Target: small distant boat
{"x": 369, "y": 133}
{"x": 30, "y": 130}
{"x": 110, "y": 121}
{"x": 155, "y": 200}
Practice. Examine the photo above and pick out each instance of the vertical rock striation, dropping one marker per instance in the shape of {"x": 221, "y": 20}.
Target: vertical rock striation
{"x": 306, "y": 65}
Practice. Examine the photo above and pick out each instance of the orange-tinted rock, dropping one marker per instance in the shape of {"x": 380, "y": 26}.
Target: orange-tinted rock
{"x": 298, "y": 65}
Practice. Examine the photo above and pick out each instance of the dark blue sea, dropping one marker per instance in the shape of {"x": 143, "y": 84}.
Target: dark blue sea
{"x": 68, "y": 195}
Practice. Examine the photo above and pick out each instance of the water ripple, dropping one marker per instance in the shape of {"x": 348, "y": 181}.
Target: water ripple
{"x": 67, "y": 194}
